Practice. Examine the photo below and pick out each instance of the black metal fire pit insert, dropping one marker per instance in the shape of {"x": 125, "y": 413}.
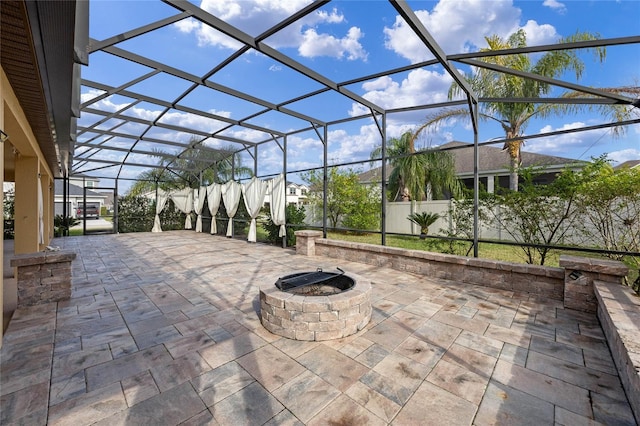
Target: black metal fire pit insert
{"x": 318, "y": 279}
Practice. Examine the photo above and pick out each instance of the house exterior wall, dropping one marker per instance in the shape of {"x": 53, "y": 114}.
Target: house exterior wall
{"x": 26, "y": 168}
{"x": 295, "y": 195}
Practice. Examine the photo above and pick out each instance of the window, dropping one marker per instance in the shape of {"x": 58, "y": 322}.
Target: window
{"x": 303, "y": 191}
{"x": 292, "y": 190}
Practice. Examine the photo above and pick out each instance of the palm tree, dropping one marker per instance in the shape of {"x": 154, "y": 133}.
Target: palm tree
{"x": 221, "y": 166}
{"x": 414, "y": 171}
{"x": 514, "y": 117}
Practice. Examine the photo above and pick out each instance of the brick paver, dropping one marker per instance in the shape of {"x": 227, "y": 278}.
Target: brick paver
{"x": 164, "y": 329}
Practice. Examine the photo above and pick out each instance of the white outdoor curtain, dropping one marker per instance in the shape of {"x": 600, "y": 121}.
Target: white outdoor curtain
{"x": 214, "y": 191}
{"x": 198, "y": 204}
{"x": 253, "y": 194}
{"x": 231, "y": 196}
{"x": 161, "y": 201}
{"x": 183, "y": 199}
{"x": 40, "y": 213}
{"x": 278, "y": 198}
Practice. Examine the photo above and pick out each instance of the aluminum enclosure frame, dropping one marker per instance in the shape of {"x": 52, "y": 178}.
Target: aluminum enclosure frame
{"x": 92, "y": 139}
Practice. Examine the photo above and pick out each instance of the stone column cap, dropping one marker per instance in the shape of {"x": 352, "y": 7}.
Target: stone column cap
{"x": 308, "y": 233}
{"x": 42, "y": 257}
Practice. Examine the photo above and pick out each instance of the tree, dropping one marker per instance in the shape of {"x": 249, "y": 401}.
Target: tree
{"x": 349, "y": 203}
{"x": 611, "y": 204}
{"x": 514, "y": 116}
{"x": 415, "y": 171}
{"x": 541, "y": 215}
{"x": 187, "y": 170}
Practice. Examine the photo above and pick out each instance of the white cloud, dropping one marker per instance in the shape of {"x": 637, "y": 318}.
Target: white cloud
{"x": 461, "y": 26}
{"x": 419, "y": 87}
{"x": 346, "y": 147}
{"x": 568, "y": 144}
{"x": 255, "y": 16}
{"x": 540, "y": 34}
{"x": 90, "y": 94}
{"x": 314, "y": 44}
{"x": 246, "y": 134}
{"x": 623, "y": 155}
{"x": 177, "y": 118}
{"x": 555, "y": 5}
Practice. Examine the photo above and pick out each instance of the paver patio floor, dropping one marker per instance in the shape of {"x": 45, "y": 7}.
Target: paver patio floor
{"x": 163, "y": 329}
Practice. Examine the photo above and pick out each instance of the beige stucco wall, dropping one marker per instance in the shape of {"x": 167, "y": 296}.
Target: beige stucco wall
{"x": 30, "y": 167}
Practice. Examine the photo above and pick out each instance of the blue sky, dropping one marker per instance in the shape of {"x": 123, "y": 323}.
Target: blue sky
{"x": 345, "y": 40}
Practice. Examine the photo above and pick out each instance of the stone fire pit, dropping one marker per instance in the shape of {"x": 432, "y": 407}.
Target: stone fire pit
{"x": 311, "y": 317}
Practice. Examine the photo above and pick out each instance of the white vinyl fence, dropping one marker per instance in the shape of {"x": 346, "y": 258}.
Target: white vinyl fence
{"x": 397, "y": 222}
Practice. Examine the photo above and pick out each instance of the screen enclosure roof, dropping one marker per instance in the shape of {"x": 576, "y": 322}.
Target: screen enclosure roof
{"x": 150, "y": 98}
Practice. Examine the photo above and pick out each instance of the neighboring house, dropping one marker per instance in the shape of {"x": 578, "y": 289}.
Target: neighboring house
{"x": 76, "y": 194}
{"x": 108, "y": 200}
{"x": 494, "y": 164}
{"x": 297, "y": 194}
{"x": 631, "y": 164}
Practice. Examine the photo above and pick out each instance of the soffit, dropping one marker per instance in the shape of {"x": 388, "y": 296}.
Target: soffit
{"x": 36, "y": 53}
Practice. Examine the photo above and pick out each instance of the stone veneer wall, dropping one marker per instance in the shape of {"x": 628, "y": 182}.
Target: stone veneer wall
{"x": 541, "y": 281}
{"x": 43, "y": 277}
{"x": 619, "y": 315}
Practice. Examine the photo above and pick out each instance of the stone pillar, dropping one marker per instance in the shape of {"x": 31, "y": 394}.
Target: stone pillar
{"x": 43, "y": 277}
{"x": 579, "y": 274}
{"x": 306, "y": 242}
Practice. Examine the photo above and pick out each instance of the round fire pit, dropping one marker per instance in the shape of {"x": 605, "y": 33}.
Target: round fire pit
{"x": 316, "y": 305}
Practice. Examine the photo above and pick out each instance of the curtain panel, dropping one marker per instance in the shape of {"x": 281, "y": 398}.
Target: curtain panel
{"x": 183, "y": 199}
{"x": 161, "y": 201}
{"x": 231, "y": 196}
{"x": 253, "y": 193}
{"x": 214, "y": 192}
{"x": 277, "y": 188}
{"x": 198, "y": 203}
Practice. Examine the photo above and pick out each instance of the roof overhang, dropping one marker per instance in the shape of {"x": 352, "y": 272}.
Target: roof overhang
{"x": 43, "y": 45}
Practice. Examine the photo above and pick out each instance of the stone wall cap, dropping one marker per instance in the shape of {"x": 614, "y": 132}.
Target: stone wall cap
{"x": 591, "y": 264}
{"x": 308, "y": 233}
{"x": 42, "y": 257}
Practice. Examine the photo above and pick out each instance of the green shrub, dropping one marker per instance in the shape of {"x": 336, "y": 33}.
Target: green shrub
{"x": 241, "y": 220}
{"x": 294, "y": 215}
{"x": 61, "y": 224}
{"x": 135, "y": 214}
{"x": 172, "y": 219}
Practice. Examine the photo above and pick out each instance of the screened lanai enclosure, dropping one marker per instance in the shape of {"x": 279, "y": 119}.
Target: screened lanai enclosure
{"x": 201, "y": 103}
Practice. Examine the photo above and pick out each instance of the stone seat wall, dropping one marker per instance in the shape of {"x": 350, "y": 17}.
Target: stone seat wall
{"x": 619, "y": 315}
